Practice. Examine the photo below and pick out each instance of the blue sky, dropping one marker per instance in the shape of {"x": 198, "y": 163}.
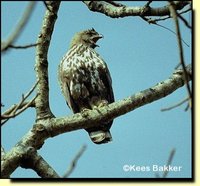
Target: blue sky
{"x": 138, "y": 55}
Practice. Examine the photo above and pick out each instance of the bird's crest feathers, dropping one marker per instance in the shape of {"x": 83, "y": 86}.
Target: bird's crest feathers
{"x": 87, "y": 37}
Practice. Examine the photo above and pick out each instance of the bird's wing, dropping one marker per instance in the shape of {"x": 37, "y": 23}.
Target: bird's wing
{"x": 105, "y": 77}
{"x": 64, "y": 84}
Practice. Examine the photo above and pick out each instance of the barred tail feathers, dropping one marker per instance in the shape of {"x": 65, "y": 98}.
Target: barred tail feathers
{"x": 100, "y": 136}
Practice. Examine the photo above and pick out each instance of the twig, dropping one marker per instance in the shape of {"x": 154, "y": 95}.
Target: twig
{"x": 146, "y": 7}
{"x": 168, "y": 16}
{"x": 184, "y": 21}
{"x": 20, "y": 25}
{"x": 174, "y": 15}
{"x": 20, "y": 107}
{"x": 177, "y": 66}
{"x": 148, "y": 3}
{"x": 169, "y": 162}
{"x": 187, "y": 10}
{"x": 176, "y": 105}
{"x": 187, "y": 107}
{"x": 17, "y": 112}
{"x": 23, "y": 46}
{"x": 8, "y": 111}
{"x": 74, "y": 161}
{"x": 153, "y": 21}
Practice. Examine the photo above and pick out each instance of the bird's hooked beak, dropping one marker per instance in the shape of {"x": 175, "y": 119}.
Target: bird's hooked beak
{"x": 96, "y": 38}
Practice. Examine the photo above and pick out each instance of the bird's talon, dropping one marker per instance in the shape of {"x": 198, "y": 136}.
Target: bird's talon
{"x": 84, "y": 112}
{"x": 103, "y": 103}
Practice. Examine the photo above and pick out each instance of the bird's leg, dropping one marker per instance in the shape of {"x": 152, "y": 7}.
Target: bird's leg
{"x": 99, "y": 104}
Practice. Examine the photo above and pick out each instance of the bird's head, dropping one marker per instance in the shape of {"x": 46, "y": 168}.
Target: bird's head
{"x": 87, "y": 37}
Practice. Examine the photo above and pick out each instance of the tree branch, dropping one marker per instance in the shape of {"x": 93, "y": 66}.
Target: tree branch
{"x": 113, "y": 11}
{"x": 22, "y": 46}
{"x": 20, "y": 26}
{"x": 169, "y": 162}
{"x": 20, "y": 107}
{"x": 42, "y": 102}
{"x": 34, "y": 161}
{"x": 180, "y": 47}
{"x": 44, "y": 129}
{"x": 175, "y": 105}
{"x": 74, "y": 161}
{"x": 118, "y": 108}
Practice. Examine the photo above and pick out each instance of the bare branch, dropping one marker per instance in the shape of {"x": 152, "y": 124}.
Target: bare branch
{"x": 113, "y": 11}
{"x": 23, "y": 46}
{"x": 169, "y": 162}
{"x": 20, "y": 107}
{"x": 176, "y": 105}
{"x": 174, "y": 15}
{"x": 42, "y": 102}
{"x": 18, "y": 111}
{"x": 153, "y": 21}
{"x": 148, "y": 3}
{"x": 184, "y": 21}
{"x": 107, "y": 113}
{"x": 74, "y": 161}
{"x": 32, "y": 160}
{"x": 8, "y": 111}
{"x": 20, "y": 26}
{"x": 51, "y": 127}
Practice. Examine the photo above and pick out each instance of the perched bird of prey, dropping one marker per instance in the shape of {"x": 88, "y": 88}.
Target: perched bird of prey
{"x": 85, "y": 80}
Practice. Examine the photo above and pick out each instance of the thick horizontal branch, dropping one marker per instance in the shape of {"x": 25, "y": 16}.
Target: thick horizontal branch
{"x": 50, "y": 127}
{"x": 113, "y": 11}
{"x": 42, "y": 102}
{"x": 116, "y": 109}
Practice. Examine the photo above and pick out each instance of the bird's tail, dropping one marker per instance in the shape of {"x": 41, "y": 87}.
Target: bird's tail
{"x": 100, "y": 136}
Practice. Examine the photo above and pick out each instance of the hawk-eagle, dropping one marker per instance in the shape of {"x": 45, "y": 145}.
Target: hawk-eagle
{"x": 85, "y": 80}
